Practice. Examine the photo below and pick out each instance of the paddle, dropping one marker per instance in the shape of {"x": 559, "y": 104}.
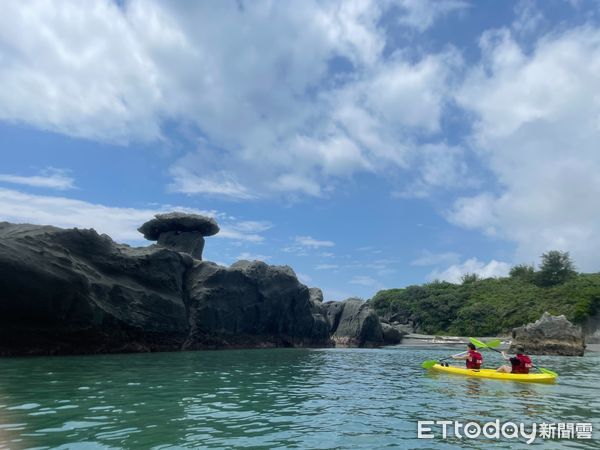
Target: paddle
{"x": 432, "y": 362}
{"x": 541, "y": 369}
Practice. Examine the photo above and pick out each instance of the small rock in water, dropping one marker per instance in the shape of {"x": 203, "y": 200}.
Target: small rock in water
{"x": 550, "y": 335}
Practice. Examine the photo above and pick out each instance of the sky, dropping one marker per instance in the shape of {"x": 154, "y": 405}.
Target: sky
{"x": 367, "y": 144}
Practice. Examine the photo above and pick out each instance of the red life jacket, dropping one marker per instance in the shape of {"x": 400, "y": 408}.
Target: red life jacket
{"x": 475, "y": 360}
{"x": 521, "y": 364}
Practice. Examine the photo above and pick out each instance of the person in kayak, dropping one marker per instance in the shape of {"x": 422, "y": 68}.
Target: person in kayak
{"x": 473, "y": 358}
{"x": 520, "y": 363}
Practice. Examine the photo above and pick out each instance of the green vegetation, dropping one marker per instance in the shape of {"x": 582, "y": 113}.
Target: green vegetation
{"x": 495, "y": 305}
{"x": 556, "y": 268}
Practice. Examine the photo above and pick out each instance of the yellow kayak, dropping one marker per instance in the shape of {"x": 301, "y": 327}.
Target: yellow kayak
{"x": 491, "y": 373}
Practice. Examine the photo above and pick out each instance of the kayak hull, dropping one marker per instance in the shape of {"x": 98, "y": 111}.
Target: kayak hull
{"x": 492, "y": 374}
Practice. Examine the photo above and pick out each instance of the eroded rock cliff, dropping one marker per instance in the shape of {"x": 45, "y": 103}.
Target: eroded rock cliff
{"x": 76, "y": 291}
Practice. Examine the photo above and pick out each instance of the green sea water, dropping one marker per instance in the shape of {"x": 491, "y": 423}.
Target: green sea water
{"x": 276, "y": 398}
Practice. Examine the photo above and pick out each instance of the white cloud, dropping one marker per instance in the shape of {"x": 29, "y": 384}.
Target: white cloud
{"x": 120, "y": 223}
{"x": 51, "y": 178}
{"x": 82, "y": 69}
{"x": 428, "y": 258}
{"x": 538, "y": 128}
{"x": 528, "y": 17}
{"x": 252, "y": 257}
{"x": 474, "y": 212}
{"x": 454, "y": 273}
{"x": 364, "y": 280}
{"x": 304, "y": 278}
{"x": 269, "y": 114}
{"x": 252, "y": 226}
{"x": 218, "y": 184}
{"x": 421, "y": 14}
{"x": 307, "y": 241}
{"x": 326, "y": 266}
{"x": 307, "y": 245}
{"x": 438, "y": 166}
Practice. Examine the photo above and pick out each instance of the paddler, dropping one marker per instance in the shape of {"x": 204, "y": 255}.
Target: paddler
{"x": 473, "y": 358}
{"x": 520, "y": 363}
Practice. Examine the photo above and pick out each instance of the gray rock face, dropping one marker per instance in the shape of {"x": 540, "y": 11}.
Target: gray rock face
{"x": 180, "y": 232}
{"x": 316, "y": 295}
{"x": 251, "y": 300}
{"x": 591, "y": 329}
{"x": 550, "y": 335}
{"x": 190, "y": 242}
{"x": 353, "y": 323}
{"x": 75, "y": 291}
{"x": 391, "y": 334}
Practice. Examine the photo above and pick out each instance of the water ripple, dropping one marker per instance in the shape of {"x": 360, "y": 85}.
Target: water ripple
{"x": 282, "y": 398}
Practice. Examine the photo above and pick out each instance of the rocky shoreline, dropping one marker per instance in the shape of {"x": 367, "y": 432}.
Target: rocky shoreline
{"x": 74, "y": 291}
{"x": 68, "y": 291}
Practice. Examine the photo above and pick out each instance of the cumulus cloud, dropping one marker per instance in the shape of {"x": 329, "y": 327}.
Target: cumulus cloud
{"x": 538, "y": 130}
{"x": 270, "y": 112}
{"x": 421, "y": 14}
{"x": 454, "y": 273}
{"x": 50, "y": 178}
{"x": 118, "y": 222}
{"x": 186, "y": 181}
{"x": 438, "y": 166}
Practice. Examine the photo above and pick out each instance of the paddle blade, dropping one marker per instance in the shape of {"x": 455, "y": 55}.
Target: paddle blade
{"x": 477, "y": 343}
{"x": 493, "y": 343}
{"x": 429, "y": 364}
{"x": 548, "y": 372}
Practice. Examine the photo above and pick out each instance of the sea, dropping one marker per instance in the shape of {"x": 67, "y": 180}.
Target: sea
{"x": 291, "y": 398}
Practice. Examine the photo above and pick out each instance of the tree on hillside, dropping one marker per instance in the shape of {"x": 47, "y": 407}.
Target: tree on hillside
{"x": 524, "y": 272}
{"x": 556, "y": 268}
{"x": 469, "y": 278}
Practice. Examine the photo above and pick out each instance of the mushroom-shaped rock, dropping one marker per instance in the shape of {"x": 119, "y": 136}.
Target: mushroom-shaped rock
{"x": 180, "y": 231}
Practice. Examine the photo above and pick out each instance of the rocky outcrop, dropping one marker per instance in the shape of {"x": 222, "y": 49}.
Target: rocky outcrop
{"x": 180, "y": 232}
{"x": 75, "y": 291}
{"x": 550, "y": 335}
{"x": 391, "y": 335}
{"x": 353, "y": 323}
{"x": 251, "y": 301}
{"x": 591, "y": 329}
{"x": 316, "y": 295}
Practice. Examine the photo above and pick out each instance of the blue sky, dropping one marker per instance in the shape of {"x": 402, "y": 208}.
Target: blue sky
{"x": 366, "y": 144}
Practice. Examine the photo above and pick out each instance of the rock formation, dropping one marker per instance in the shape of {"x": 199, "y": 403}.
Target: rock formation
{"x": 75, "y": 291}
{"x": 353, "y": 323}
{"x": 550, "y": 335}
{"x": 391, "y": 334}
{"x": 316, "y": 295}
{"x": 251, "y": 302}
{"x": 180, "y": 232}
{"x": 65, "y": 291}
{"x": 591, "y": 329}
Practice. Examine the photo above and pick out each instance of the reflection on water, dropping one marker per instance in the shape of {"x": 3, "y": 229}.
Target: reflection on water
{"x": 335, "y": 398}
